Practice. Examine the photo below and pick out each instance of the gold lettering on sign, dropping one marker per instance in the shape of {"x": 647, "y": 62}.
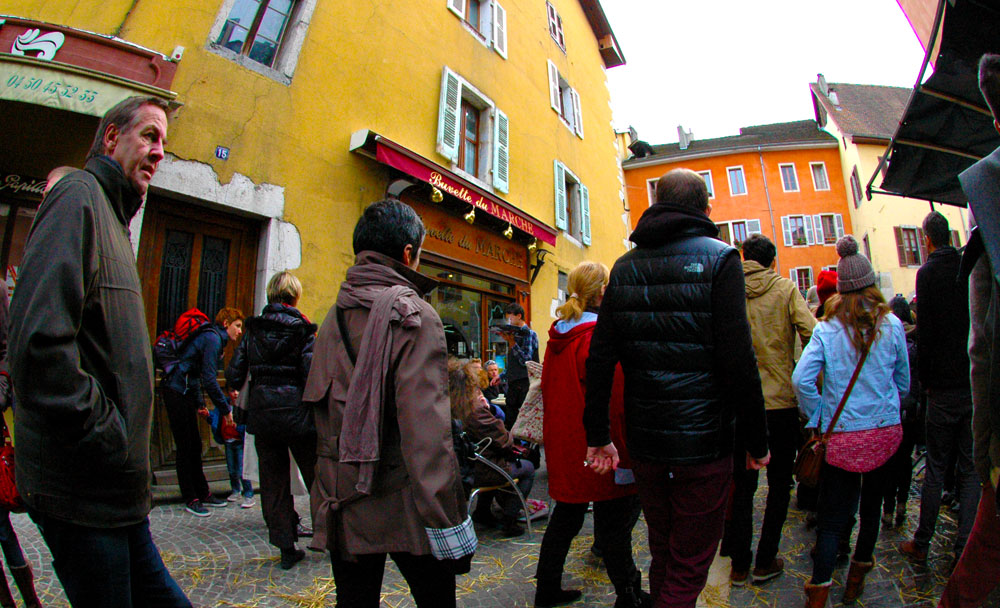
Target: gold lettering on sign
{"x": 442, "y": 234}
{"x": 464, "y": 242}
{"x": 499, "y": 253}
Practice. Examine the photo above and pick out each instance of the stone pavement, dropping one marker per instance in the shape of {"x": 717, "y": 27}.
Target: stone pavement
{"x": 225, "y": 561}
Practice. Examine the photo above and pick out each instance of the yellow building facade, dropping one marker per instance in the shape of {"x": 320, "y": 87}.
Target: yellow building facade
{"x": 490, "y": 117}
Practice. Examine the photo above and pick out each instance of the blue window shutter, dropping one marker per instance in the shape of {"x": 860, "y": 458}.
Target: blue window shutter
{"x": 585, "y": 214}
{"x": 501, "y": 152}
{"x": 786, "y": 231}
{"x": 449, "y": 115}
{"x": 560, "y": 173}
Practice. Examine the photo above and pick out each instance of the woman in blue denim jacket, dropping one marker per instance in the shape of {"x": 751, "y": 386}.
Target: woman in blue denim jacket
{"x": 868, "y": 431}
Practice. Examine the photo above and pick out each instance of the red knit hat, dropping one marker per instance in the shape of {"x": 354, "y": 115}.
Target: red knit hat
{"x": 826, "y": 285}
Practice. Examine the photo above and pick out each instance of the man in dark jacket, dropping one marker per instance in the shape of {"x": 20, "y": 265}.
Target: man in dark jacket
{"x": 82, "y": 370}
{"x": 942, "y": 350}
{"x": 674, "y": 315}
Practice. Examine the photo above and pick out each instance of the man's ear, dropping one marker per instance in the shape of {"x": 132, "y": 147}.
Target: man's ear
{"x": 110, "y": 139}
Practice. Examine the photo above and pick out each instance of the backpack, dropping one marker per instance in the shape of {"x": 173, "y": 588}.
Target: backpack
{"x": 170, "y": 344}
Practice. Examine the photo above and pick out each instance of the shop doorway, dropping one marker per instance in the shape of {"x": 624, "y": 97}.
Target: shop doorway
{"x": 189, "y": 257}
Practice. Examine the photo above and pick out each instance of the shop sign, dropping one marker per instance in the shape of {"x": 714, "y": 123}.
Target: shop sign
{"x": 60, "y": 90}
{"x": 24, "y": 187}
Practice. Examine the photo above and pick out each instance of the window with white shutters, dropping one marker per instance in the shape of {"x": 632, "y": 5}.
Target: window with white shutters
{"x": 473, "y": 133}
{"x": 797, "y": 230}
{"x": 565, "y": 100}
{"x": 487, "y": 19}
{"x": 734, "y": 232}
{"x": 828, "y": 228}
{"x": 572, "y": 204}
{"x": 555, "y": 26}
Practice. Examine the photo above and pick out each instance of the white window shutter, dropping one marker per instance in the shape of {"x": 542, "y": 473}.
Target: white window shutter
{"x": 449, "y": 115}
{"x": 818, "y": 228}
{"x": 499, "y": 29}
{"x": 753, "y": 227}
{"x": 786, "y": 231}
{"x": 560, "y": 172}
{"x": 501, "y": 151}
{"x": 554, "y": 87}
{"x": 585, "y": 214}
{"x": 838, "y": 220}
{"x": 808, "y": 221}
{"x": 577, "y": 113}
{"x": 791, "y": 275}
{"x": 811, "y": 281}
{"x": 457, "y": 7}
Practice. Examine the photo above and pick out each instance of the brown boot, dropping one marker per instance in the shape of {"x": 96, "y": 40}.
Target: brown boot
{"x": 856, "y": 580}
{"x": 816, "y": 595}
{"x": 26, "y": 585}
{"x": 6, "y": 599}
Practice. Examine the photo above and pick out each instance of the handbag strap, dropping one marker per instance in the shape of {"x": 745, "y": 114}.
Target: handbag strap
{"x": 850, "y": 385}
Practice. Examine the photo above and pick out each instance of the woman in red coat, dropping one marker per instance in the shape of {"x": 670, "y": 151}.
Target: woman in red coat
{"x": 571, "y": 483}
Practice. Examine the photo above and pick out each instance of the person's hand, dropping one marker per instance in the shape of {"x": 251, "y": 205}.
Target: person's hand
{"x": 603, "y": 459}
{"x": 508, "y": 338}
{"x": 756, "y": 464}
{"x": 494, "y": 380}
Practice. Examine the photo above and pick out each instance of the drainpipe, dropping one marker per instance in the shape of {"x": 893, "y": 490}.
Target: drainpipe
{"x": 770, "y": 212}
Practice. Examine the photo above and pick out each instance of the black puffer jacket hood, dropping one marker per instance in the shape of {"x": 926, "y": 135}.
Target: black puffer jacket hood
{"x": 664, "y": 222}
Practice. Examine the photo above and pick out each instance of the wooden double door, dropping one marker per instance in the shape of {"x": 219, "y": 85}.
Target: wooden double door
{"x": 190, "y": 256}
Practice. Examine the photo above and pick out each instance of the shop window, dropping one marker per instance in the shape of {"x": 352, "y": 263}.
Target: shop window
{"x": 555, "y": 26}
{"x": 735, "y": 232}
{"x": 828, "y": 227}
{"x": 565, "y": 101}
{"x": 802, "y": 277}
{"x": 789, "y": 180}
{"x": 15, "y": 223}
{"x": 473, "y": 133}
{"x": 486, "y": 18}
{"x": 856, "y": 192}
{"x": 707, "y": 176}
{"x": 820, "y": 181}
{"x": 572, "y": 204}
{"x": 798, "y": 230}
{"x": 263, "y": 35}
{"x": 910, "y": 245}
{"x": 737, "y": 183}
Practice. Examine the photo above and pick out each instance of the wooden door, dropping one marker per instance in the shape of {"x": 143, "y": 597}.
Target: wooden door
{"x": 190, "y": 257}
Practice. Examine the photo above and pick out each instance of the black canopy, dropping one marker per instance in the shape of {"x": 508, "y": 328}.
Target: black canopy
{"x": 947, "y": 125}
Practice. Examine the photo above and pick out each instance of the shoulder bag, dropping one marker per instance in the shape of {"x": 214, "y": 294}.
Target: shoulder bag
{"x": 528, "y": 425}
{"x": 810, "y": 459}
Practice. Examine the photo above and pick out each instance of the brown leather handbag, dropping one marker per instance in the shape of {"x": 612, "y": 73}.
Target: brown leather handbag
{"x": 811, "y": 457}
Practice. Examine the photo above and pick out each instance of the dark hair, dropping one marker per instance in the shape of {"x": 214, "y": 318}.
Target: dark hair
{"x": 989, "y": 82}
{"x": 684, "y": 188}
{"x": 901, "y": 308}
{"x": 760, "y": 249}
{"x": 514, "y": 309}
{"x": 936, "y": 228}
{"x": 387, "y": 227}
{"x": 123, "y": 116}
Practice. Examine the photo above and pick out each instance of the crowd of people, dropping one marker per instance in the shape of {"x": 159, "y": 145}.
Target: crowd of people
{"x": 669, "y": 382}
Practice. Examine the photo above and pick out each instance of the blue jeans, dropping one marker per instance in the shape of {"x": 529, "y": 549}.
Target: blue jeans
{"x": 118, "y": 567}
{"x": 234, "y": 463}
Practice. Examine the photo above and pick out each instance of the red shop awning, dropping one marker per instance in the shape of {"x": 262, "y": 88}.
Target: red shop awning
{"x": 396, "y": 156}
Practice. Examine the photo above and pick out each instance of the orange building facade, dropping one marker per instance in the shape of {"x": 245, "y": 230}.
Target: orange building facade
{"x": 782, "y": 180}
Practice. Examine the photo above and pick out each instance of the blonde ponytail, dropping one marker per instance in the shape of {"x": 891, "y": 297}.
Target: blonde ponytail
{"x": 585, "y": 284}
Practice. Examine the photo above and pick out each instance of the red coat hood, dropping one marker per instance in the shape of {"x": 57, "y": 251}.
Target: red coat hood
{"x": 560, "y": 341}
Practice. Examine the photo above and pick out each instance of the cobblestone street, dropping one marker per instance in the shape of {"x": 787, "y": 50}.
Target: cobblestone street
{"x": 225, "y": 561}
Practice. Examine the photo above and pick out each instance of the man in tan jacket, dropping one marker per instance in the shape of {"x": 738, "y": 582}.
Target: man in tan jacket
{"x": 777, "y": 312}
{"x": 387, "y": 479}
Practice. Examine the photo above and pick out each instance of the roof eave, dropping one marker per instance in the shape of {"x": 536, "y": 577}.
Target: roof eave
{"x": 778, "y": 147}
{"x": 607, "y": 43}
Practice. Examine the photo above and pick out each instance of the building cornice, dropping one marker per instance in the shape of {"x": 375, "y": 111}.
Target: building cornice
{"x": 664, "y": 160}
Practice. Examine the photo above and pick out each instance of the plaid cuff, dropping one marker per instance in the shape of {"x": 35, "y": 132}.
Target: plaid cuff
{"x": 453, "y": 543}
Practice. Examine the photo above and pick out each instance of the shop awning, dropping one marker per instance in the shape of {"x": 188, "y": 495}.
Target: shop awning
{"x": 946, "y": 126}
{"x": 398, "y": 157}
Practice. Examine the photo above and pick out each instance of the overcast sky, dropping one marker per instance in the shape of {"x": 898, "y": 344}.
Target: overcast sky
{"x": 717, "y": 65}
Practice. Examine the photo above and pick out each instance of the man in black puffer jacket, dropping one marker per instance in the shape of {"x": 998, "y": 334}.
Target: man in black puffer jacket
{"x": 674, "y": 316}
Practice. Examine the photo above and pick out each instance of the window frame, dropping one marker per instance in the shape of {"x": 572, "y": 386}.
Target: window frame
{"x": 819, "y": 228}
{"x": 651, "y": 190}
{"x": 794, "y": 176}
{"x": 747, "y": 223}
{"x": 286, "y": 57}
{"x": 565, "y": 100}
{"x": 463, "y": 140}
{"x": 493, "y": 164}
{"x": 788, "y": 230}
{"x": 902, "y": 234}
{"x": 575, "y": 222}
{"x": 708, "y": 182}
{"x": 555, "y": 26}
{"x": 795, "y": 276}
{"x": 743, "y": 179}
{"x": 826, "y": 176}
{"x": 492, "y": 27}
{"x": 856, "y": 192}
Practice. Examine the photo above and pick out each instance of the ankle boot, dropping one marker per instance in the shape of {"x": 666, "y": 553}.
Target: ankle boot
{"x": 856, "y": 580}
{"x": 26, "y": 585}
{"x": 631, "y": 594}
{"x": 6, "y": 599}
{"x": 816, "y": 595}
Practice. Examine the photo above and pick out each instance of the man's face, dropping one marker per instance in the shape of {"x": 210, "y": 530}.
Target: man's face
{"x": 139, "y": 148}
{"x": 493, "y": 370}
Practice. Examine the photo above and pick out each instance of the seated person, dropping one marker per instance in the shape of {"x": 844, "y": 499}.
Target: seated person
{"x": 497, "y": 384}
{"x": 470, "y": 407}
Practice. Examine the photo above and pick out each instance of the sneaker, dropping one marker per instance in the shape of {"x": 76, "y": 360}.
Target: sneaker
{"x": 212, "y": 501}
{"x": 738, "y": 578}
{"x": 537, "y": 509}
{"x": 303, "y": 531}
{"x": 912, "y": 551}
{"x": 248, "y": 502}
{"x": 766, "y": 573}
{"x": 233, "y": 497}
{"x": 196, "y": 508}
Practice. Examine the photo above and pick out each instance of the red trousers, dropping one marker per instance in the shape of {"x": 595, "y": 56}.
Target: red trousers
{"x": 978, "y": 570}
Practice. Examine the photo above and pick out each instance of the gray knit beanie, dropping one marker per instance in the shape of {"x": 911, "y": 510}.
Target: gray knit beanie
{"x": 854, "y": 271}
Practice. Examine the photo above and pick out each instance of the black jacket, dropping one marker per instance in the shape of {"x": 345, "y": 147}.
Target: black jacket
{"x": 277, "y": 351}
{"x": 198, "y": 367}
{"x": 80, "y": 357}
{"x": 674, "y": 315}
{"x": 943, "y": 322}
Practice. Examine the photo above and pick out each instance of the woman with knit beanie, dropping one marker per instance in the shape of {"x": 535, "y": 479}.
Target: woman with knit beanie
{"x": 856, "y": 324}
